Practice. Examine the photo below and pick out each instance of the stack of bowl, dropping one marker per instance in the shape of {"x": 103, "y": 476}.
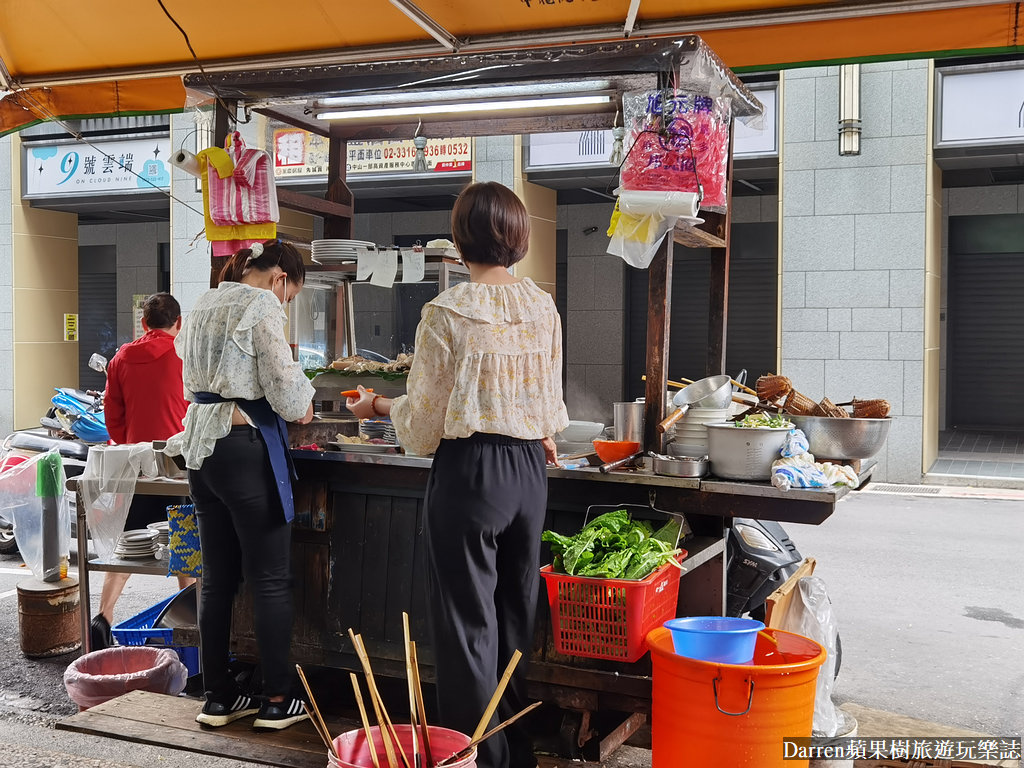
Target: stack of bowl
{"x": 690, "y": 433}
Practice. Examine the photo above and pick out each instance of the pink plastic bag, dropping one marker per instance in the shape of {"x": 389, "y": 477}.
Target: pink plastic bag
{"x": 675, "y": 140}
{"x": 104, "y": 675}
{"x": 248, "y": 195}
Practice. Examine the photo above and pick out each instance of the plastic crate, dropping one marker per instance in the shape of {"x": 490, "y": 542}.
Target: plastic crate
{"x": 139, "y": 630}
{"x": 610, "y": 618}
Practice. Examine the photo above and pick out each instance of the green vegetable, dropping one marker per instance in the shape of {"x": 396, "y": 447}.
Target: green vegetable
{"x": 613, "y": 546}
{"x": 312, "y": 373}
{"x": 764, "y": 420}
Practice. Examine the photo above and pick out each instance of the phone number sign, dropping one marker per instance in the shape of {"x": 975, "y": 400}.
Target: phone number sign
{"x": 299, "y": 153}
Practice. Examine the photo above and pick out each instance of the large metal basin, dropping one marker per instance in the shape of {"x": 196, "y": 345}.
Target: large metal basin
{"x": 832, "y": 438}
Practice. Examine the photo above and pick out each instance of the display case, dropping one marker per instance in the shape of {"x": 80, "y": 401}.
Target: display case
{"x": 336, "y": 315}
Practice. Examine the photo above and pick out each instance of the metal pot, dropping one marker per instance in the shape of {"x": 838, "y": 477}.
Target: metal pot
{"x": 712, "y": 392}
{"x": 679, "y": 467}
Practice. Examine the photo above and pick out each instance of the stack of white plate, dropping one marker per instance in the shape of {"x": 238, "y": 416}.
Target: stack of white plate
{"x": 691, "y": 433}
{"x": 137, "y": 545}
{"x": 163, "y": 531}
{"x": 339, "y": 251}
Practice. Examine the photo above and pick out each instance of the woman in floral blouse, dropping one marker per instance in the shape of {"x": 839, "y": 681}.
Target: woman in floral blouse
{"x": 243, "y": 385}
{"x": 485, "y": 396}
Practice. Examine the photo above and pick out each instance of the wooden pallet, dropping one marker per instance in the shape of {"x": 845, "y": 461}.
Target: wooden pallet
{"x": 169, "y": 721}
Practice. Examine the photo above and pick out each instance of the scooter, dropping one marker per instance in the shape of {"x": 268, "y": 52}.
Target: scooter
{"x": 760, "y": 556}
{"x": 78, "y": 414}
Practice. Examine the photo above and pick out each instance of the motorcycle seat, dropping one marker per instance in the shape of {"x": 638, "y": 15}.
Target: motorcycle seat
{"x": 33, "y": 441}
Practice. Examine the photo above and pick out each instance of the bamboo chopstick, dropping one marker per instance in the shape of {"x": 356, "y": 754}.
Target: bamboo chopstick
{"x": 421, "y": 709}
{"x": 365, "y": 719}
{"x": 464, "y": 752}
{"x": 493, "y": 703}
{"x": 318, "y": 721}
{"x": 684, "y": 382}
{"x": 387, "y": 730}
{"x": 417, "y": 758}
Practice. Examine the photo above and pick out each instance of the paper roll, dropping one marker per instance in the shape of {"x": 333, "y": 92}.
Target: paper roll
{"x": 647, "y": 202}
{"x": 188, "y": 162}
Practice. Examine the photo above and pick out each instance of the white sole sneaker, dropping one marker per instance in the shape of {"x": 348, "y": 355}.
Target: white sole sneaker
{"x": 275, "y": 716}
{"x": 215, "y": 714}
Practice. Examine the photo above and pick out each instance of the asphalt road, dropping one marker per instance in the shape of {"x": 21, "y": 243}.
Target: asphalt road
{"x": 927, "y": 592}
{"x": 929, "y": 596}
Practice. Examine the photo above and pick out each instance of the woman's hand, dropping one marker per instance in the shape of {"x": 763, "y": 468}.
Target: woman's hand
{"x": 309, "y": 415}
{"x": 550, "y": 451}
{"x": 361, "y": 406}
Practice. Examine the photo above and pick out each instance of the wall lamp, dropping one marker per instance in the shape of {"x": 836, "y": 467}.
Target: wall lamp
{"x": 849, "y": 109}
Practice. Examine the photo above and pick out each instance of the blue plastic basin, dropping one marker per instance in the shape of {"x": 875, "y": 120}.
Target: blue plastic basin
{"x": 721, "y": 639}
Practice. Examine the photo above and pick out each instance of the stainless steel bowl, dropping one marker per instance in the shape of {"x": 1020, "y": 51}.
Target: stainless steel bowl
{"x": 679, "y": 467}
{"x": 832, "y": 438}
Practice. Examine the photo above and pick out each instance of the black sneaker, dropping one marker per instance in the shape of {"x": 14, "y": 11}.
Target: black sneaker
{"x": 217, "y": 712}
{"x": 275, "y": 715}
{"x": 100, "y": 637}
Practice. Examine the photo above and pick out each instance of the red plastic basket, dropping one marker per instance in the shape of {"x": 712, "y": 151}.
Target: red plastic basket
{"x": 610, "y": 618}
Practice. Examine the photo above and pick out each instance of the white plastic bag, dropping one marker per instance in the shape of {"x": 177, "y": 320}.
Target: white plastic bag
{"x": 32, "y": 497}
{"x": 107, "y": 486}
{"x": 809, "y": 613}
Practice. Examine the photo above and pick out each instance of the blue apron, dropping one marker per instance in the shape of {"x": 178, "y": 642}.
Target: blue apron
{"x": 275, "y": 434}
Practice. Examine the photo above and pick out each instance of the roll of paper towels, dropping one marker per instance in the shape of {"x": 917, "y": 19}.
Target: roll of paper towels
{"x": 188, "y": 162}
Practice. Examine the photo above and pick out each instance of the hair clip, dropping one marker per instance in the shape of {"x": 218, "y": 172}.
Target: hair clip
{"x": 256, "y": 251}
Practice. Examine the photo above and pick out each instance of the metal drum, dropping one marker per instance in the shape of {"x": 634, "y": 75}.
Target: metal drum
{"x": 49, "y": 617}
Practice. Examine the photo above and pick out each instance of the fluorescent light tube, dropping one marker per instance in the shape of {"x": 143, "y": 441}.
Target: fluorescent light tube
{"x": 419, "y": 110}
{"x": 510, "y": 91}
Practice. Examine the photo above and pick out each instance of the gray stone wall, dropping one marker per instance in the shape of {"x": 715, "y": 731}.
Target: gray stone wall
{"x": 6, "y": 292}
{"x": 853, "y": 248}
{"x": 595, "y": 321}
{"x": 138, "y": 263}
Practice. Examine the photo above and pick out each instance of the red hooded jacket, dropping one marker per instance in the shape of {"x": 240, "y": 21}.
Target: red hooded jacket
{"x": 145, "y": 397}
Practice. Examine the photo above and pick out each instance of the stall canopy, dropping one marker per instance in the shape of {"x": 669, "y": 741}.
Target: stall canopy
{"x": 108, "y": 57}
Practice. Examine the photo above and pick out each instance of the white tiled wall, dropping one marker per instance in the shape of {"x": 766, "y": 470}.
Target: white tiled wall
{"x": 853, "y": 248}
{"x": 6, "y": 294}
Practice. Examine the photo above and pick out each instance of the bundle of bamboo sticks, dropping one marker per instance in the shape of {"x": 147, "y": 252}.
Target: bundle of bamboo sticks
{"x": 385, "y": 733}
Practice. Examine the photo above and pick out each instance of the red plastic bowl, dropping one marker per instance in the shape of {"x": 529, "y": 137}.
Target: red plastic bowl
{"x": 613, "y": 450}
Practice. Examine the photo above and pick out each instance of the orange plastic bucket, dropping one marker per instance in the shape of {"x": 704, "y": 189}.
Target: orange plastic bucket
{"x": 732, "y": 715}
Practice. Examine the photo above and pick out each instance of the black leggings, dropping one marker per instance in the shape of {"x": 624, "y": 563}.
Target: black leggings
{"x": 242, "y": 530}
{"x": 485, "y": 506}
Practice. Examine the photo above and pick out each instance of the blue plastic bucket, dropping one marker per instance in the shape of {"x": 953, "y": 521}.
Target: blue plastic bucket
{"x": 722, "y": 639}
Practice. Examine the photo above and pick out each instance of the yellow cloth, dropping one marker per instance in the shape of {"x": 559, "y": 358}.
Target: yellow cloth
{"x": 225, "y": 166}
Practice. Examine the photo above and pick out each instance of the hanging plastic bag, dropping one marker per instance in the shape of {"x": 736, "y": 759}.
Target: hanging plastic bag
{"x": 678, "y": 141}
{"x": 107, "y": 486}
{"x": 32, "y": 498}
{"x": 809, "y": 613}
{"x": 247, "y": 195}
{"x": 641, "y": 220}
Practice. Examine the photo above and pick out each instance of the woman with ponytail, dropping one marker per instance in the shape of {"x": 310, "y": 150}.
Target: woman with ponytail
{"x": 243, "y": 385}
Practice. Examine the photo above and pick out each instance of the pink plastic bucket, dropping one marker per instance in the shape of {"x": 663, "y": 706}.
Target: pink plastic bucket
{"x": 354, "y": 750}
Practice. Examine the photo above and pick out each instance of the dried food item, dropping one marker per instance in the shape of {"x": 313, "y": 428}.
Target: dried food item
{"x": 359, "y": 364}
{"x": 827, "y": 408}
{"x": 772, "y": 387}
{"x": 799, "y": 405}
{"x": 871, "y": 409}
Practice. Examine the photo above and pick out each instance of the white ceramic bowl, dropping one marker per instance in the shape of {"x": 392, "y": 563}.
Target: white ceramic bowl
{"x": 581, "y": 431}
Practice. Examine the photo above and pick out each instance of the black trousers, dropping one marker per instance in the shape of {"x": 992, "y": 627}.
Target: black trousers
{"x": 242, "y": 530}
{"x": 485, "y": 504}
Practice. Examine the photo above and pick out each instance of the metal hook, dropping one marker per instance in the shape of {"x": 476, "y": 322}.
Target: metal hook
{"x": 418, "y": 126}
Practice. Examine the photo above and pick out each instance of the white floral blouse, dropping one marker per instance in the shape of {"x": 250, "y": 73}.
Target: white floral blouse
{"x": 488, "y": 359}
{"x": 233, "y": 343}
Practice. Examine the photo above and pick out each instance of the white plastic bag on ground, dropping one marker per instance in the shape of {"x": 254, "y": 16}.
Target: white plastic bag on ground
{"x": 32, "y": 498}
{"x": 809, "y": 613}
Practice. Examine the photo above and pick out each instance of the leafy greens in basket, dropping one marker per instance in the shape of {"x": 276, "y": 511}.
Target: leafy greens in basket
{"x": 614, "y": 546}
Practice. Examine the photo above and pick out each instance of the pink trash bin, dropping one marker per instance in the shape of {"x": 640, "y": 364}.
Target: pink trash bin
{"x": 104, "y": 675}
